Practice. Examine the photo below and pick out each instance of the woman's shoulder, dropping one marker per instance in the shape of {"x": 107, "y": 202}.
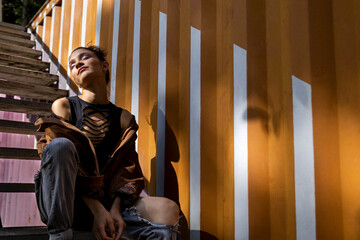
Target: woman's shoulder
{"x": 61, "y": 107}
{"x": 127, "y": 119}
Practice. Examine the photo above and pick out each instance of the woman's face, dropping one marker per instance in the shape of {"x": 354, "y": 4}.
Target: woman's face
{"x": 86, "y": 68}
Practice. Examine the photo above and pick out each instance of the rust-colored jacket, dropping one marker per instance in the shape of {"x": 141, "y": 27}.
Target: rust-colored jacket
{"x": 121, "y": 176}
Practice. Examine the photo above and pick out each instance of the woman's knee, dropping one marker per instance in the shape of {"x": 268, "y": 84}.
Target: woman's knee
{"x": 60, "y": 150}
{"x": 158, "y": 209}
{"x": 171, "y": 211}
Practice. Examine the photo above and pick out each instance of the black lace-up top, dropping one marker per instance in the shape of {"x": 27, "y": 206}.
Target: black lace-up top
{"x": 99, "y": 122}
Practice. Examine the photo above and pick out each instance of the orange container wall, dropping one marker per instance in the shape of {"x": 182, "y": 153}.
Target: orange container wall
{"x": 254, "y": 168}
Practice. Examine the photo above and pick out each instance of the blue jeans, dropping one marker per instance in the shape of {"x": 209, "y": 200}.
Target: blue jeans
{"x": 61, "y": 209}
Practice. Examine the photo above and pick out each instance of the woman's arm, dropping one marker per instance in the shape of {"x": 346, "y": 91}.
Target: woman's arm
{"x": 61, "y": 108}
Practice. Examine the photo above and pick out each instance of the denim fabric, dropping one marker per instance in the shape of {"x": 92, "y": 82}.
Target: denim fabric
{"x": 141, "y": 229}
{"x": 55, "y": 185}
{"x": 58, "y": 206}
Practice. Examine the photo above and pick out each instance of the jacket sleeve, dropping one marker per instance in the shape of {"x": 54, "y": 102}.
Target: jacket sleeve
{"x": 124, "y": 174}
{"x": 128, "y": 181}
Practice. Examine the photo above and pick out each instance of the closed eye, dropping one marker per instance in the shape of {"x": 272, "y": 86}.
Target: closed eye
{"x": 84, "y": 57}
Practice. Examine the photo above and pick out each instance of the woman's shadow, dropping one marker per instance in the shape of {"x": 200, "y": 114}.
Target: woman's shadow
{"x": 172, "y": 154}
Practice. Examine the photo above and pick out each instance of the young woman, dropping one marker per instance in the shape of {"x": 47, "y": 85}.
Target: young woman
{"x": 96, "y": 182}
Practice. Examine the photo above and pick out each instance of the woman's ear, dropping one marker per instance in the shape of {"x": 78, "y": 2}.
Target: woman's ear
{"x": 105, "y": 66}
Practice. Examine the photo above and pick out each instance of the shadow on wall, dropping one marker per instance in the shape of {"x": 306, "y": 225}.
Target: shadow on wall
{"x": 172, "y": 154}
{"x": 270, "y": 118}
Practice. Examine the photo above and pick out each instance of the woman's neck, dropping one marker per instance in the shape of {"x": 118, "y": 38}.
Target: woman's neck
{"x": 99, "y": 97}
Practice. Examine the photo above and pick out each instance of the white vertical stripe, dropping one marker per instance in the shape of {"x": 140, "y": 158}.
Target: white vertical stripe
{"x": 136, "y": 61}
{"x": 32, "y": 36}
{"x": 53, "y": 66}
{"x": 304, "y": 161}
{"x": 45, "y": 54}
{"x": 37, "y": 42}
{"x": 160, "y": 142}
{"x": 98, "y": 22}
{"x": 115, "y": 43}
{"x": 52, "y": 32}
{"x": 61, "y": 31}
{"x": 71, "y": 32}
{"x": 241, "y": 199}
{"x": 83, "y": 26}
{"x": 70, "y": 41}
{"x": 62, "y": 79}
{"x": 195, "y": 126}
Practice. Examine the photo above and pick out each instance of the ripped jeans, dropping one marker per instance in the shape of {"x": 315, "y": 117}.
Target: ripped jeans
{"x": 61, "y": 210}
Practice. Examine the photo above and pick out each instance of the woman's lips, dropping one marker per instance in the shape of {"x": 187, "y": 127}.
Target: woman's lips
{"x": 81, "y": 70}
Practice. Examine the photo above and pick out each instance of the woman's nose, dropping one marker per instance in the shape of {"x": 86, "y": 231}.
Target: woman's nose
{"x": 78, "y": 64}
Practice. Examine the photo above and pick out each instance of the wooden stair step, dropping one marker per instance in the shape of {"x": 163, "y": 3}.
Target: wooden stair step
{"x": 17, "y": 187}
{"x": 5, "y": 30}
{"x": 22, "y": 106}
{"x": 31, "y": 90}
{"x": 18, "y": 41}
{"x": 27, "y": 76}
{"x": 23, "y": 62}
{"x": 11, "y": 25}
{"x": 19, "y": 153}
{"x": 38, "y": 233}
{"x": 19, "y": 50}
{"x": 18, "y": 127}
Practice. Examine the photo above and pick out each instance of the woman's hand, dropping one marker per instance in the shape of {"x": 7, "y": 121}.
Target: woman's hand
{"x": 119, "y": 223}
{"x": 103, "y": 227}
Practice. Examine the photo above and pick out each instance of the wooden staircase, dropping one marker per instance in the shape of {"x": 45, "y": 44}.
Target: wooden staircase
{"x": 22, "y": 73}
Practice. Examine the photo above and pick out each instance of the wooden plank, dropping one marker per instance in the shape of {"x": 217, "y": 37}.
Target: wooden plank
{"x": 329, "y": 224}
{"x": 346, "y": 18}
{"x": 124, "y": 55}
{"x": 27, "y": 76}
{"x": 210, "y": 188}
{"x": 106, "y": 30}
{"x": 14, "y": 26}
{"x": 46, "y": 38}
{"x": 148, "y": 89}
{"x": 280, "y": 134}
{"x": 19, "y": 50}
{"x": 19, "y": 153}
{"x": 77, "y": 22}
{"x": 258, "y": 118}
{"x": 31, "y": 91}
{"x": 45, "y": 10}
{"x": 18, "y": 127}
{"x": 14, "y": 32}
{"x": 225, "y": 109}
{"x": 23, "y": 233}
{"x": 23, "y": 62}
{"x": 90, "y": 23}
{"x": 56, "y": 18}
{"x": 17, "y": 187}
{"x": 13, "y": 105}
{"x": 18, "y": 41}
{"x": 239, "y": 24}
{"x": 39, "y": 37}
{"x": 172, "y": 107}
{"x": 38, "y": 233}
{"x": 182, "y": 167}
